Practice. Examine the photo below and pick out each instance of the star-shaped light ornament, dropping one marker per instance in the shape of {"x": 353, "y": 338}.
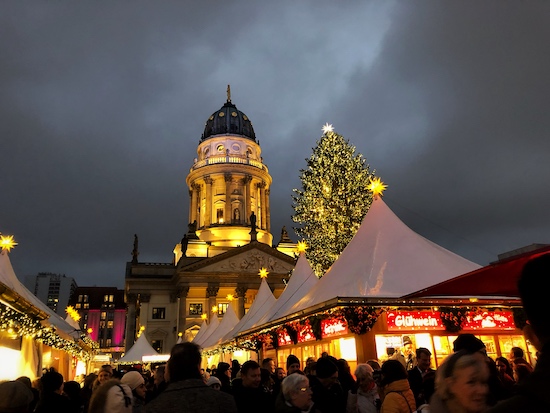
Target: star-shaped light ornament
{"x": 301, "y": 247}
{"x": 263, "y": 273}
{"x": 327, "y": 128}
{"x": 72, "y": 313}
{"x": 204, "y": 316}
{"x": 7, "y": 242}
{"x": 377, "y": 187}
{"x": 230, "y": 297}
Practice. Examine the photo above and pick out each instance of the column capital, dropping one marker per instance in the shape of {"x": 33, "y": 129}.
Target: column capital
{"x": 144, "y": 297}
{"x": 208, "y": 180}
{"x": 228, "y": 177}
{"x": 212, "y": 291}
{"x": 241, "y": 290}
{"x": 131, "y": 298}
{"x": 247, "y": 178}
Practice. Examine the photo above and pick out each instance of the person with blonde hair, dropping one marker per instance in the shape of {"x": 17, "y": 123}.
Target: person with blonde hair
{"x": 461, "y": 384}
{"x": 365, "y": 398}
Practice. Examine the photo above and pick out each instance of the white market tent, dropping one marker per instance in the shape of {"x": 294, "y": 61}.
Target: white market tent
{"x": 228, "y": 323}
{"x": 214, "y": 324}
{"x": 140, "y": 349}
{"x": 302, "y": 280}
{"x": 202, "y": 331}
{"x": 385, "y": 258}
{"x": 8, "y": 278}
{"x": 262, "y": 303}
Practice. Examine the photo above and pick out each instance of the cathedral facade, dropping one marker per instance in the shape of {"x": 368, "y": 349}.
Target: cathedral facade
{"x": 227, "y": 244}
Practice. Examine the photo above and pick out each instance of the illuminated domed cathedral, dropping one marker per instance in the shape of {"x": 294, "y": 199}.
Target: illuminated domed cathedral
{"x": 227, "y": 244}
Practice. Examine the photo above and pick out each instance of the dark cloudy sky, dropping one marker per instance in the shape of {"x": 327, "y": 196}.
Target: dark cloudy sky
{"x": 102, "y": 105}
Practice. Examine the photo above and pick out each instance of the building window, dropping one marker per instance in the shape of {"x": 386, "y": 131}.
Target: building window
{"x": 108, "y": 298}
{"x": 157, "y": 345}
{"x": 159, "y": 313}
{"x": 108, "y": 342}
{"x": 86, "y": 306}
{"x": 219, "y": 215}
{"x": 222, "y": 308}
{"x": 110, "y": 324}
{"x": 195, "y": 309}
{"x": 78, "y": 305}
{"x": 103, "y": 315}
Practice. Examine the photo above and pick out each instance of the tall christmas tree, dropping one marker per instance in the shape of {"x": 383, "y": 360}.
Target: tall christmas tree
{"x": 333, "y": 200}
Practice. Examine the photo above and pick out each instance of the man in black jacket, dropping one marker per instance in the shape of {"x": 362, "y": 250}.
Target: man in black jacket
{"x": 249, "y": 395}
{"x": 416, "y": 374}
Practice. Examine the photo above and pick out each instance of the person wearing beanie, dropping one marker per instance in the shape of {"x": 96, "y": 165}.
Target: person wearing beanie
{"x": 292, "y": 364}
{"x": 135, "y": 381}
{"x": 15, "y": 397}
{"x": 214, "y": 382}
{"x": 328, "y": 395}
{"x": 52, "y": 399}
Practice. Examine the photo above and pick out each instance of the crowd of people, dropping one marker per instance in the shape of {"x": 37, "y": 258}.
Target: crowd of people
{"x": 468, "y": 381}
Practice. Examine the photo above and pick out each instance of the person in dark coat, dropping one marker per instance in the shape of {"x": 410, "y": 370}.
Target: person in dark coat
{"x": 295, "y": 395}
{"x": 52, "y": 399}
{"x": 416, "y": 375}
{"x": 249, "y": 395}
{"x": 328, "y": 395}
{"x": 223, "y": 373}
{"x": 186, "y": 391}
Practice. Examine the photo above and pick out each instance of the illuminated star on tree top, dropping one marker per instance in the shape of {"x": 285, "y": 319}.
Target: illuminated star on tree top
{"x": 327, "y": 128}
{"x": 263, "y": 273}
{"x": 7, "y": 242}
{"x": 301, "y": 247}
{"x": 376, "y": 186}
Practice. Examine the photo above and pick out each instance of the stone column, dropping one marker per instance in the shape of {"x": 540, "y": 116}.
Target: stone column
{"x": 261, "y": 186}
{"x": 247, "y": 203}
{"x": 211, "y": 293}
{"x": 208, "y": 213}
{"x": 228, "y": 216}
{"x": 240, "y": 292}
{"x": 195, "y": 188}
{"x": 181, "y": 293}
{"x": 267, "y": 211}
{"x": 130, "y": 321}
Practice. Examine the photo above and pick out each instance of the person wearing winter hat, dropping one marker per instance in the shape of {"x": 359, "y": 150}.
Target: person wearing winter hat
{"x": 135, "y": 381}
{"x": 15, "y": 397}
{"x": 327, "y": 391}
{"x": 292, "y": 364}
{"x": 214, "y": 382}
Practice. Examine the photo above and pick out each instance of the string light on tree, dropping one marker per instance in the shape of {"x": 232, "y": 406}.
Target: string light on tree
{"x": 332, "y": 202}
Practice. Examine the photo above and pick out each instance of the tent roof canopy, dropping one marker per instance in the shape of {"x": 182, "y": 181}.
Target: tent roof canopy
{"x": 498, "y": 279}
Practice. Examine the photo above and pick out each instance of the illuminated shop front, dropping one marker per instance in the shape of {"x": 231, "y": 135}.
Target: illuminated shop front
{"x": 380, "y": 332}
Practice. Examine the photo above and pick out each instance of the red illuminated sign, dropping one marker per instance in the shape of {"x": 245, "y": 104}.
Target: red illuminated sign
{"x": 332, "y": 327}
{"x": 305, "y": 334}
{"x": 414, "y": 320}
{"x": 430, "y": 320}
{"x": 499, "y": 320}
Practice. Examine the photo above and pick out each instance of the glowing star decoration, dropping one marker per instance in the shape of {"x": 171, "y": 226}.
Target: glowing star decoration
{"x": 7, "y": 242}
{"x": 215, "y": 309}
{"x": 327, "y": 128}
{"x": 230, "y": 297}
{"x": 180, "y": 334}
{"x": 204, "y": 316}
{"x": 263, "y": 273}
{"x": 72, "y": 313}
{"x": 301, "y": 247}
{"x": 376, "y": 186}
{"x": 141, "y": 330}
{"x": 90, "y": 330}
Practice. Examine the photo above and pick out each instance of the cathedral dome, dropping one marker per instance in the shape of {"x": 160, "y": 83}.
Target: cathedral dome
{"x": 228, "y": 121}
